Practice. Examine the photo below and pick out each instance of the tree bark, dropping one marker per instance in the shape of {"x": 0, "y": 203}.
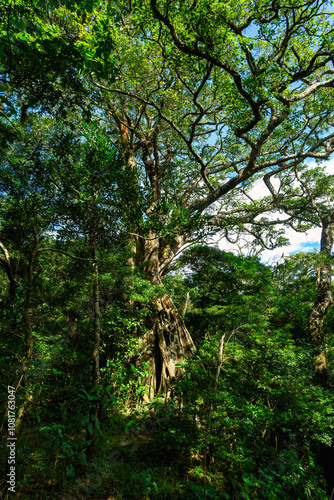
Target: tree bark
{"x": 167, "y": 342}
{"x": 323, "y": 301}
{"x": 6, "y": 264}
{"x": 164, "y": 346}
{"x": 94, "y": 407}
{"x": 97, "y": 326}
{"x": 96, "y": 357}
{"x": 28, "y": 333}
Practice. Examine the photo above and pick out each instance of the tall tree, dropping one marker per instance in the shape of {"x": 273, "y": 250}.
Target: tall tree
{"x": 208, "y": 98}
{"x": 313, "y": 204}
{"x": 56, "y": 191}
{"x": 306, "y": 200}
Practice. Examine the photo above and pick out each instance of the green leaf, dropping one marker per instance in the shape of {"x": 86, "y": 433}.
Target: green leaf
{"x": 85, "y": 420}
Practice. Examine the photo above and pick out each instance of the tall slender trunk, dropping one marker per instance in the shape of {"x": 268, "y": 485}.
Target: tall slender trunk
{"x": 97, "y": 326}
{"x": 96, "y": 358}
{"x": 324, "y": 299}
{"x": 28, "y": 333}
{"x": 97, "y": 337}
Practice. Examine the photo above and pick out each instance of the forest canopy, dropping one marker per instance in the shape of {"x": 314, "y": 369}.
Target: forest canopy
{"x": 143, "y": 360}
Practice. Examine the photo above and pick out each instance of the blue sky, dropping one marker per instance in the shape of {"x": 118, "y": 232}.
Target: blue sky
{"x": 299, "y": 242}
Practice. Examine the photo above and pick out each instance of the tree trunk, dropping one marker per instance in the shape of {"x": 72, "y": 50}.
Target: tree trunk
{"x": 28, "y": 334}
{"x": 323, "y": 301}
{"x": 6, "y": 264}
{"x": 97, "y": 326}
{"x": 96, "y": 358}
{"x": 164, "y": 346}
{"x": 167, "y": 342}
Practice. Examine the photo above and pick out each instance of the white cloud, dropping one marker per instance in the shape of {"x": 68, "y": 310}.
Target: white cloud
{"x": 299, "y": 242}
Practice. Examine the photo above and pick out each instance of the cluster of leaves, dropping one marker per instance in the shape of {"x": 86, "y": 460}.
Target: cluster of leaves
{"x": 251, "y": 419}
{"x": 255, "y": 429}
{"x": 261, "y": 417}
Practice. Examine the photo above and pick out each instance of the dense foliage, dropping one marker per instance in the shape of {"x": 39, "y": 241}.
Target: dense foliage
{"x": 248, "y": 418}
{"x": 141, "y": 369}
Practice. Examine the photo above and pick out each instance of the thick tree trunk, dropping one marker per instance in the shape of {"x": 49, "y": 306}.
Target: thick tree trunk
{"x": 164, "y": 346}
{"x": 167, "y": 342}
{"x": 323, "y": 301}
